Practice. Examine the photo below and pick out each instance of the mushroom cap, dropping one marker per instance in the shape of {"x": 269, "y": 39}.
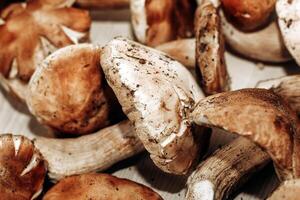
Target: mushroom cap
{"x": 34, "y": 29}
{"x": 103, "y": 4}
{"x": 99, "y": 187}
{"x": 288, "y": 190}
{"x": 260, "y": 115}
{"x": 289, "y": 24}
{"x": 248, "y": 14}
{"x": 287, "y": 87}
{"x": 264, "y": 45}
{"x": 158, "y": 21}
{"x": 67, "y": 91}
{"x": 22, "y": 168}
{"x": 210, "y": 59}
{"x": 156, "y": 93}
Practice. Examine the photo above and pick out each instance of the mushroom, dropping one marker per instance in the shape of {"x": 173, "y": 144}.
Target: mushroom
{"x": 68, "y": 92}
{"x": 158, "y": 21}
{"x": 156, "y": 93}
{"x": 287, "y": 87}
{"x": 248, "y": 15}
{"x": 210, "y": 61}
{"x": 103, "y": 4}
{"x": 32, "y": 30}
{"x": 289, "y": 189}
{"x": 89, "y": 153}
{"x": 99, "y": 186}
{"x": 289, "y": 23}
{"x": 261, "y": 116}
{"x": 226, "y": 170}
{"x": 22, "y": 168}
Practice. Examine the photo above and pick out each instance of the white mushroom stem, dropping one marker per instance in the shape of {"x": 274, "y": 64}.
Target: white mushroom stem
{"x": 103, "y": 4}
{"x": 287, "y": 190}
{"x": 89, "y": 153}
{"x": 224, "y": 171}
{"x": 182, "y": 50}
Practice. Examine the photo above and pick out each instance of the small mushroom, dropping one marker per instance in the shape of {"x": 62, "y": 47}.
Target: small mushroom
{"x": 288, "y": 190}
{"x": 287, "y": 87}
{"x": 103, "y": 4}
{"x": 226, "y": 170}
{"x": 22, "y": 168}
{"x": 98, "y": 187}
{"x": 261, "y": 116}
{"x": 31, "y": 31}
{"x": 156, "y": 93}
{"x": 289, "y": 23}
{"x": 210, "y": 61}
{"x": 249, "y": 15}
{"x": 158, "y": 21}
{"x": 67, "y": 92}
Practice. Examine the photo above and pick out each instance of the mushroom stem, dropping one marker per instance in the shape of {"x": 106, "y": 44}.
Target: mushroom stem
{"x": 89, "y": 153}
{"x": 225, "y": 170}
{"x": 103, "y": 4}
{"x": 182, "y": 50}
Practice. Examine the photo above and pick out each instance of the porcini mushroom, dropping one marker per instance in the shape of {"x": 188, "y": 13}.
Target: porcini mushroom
{"x": 289, "y": 23}
{"x": 68, "y": 93}
{"x": 22, "y": 168}
{"x": 261, "y": 116}
{"x": 158, "y": 21}
{"x": 210, "y": 61}
{"x": 156, "y": 93}
{"x": 226, "y": 170}
{"x": 32, "y": 30}
{"x": 99, "y": 187}
{"x": 248, "y": 15}
{"x": 288, "y": 190}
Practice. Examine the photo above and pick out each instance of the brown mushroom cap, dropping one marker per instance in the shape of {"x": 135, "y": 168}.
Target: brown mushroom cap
{"x": 67, "y": 91}
{"x": 248, "y": 14}
{"x": 28, "y": 25}
{"x": 210, "y": 59}
{"x": 261, "y": 116}
{"x": 99, "y": 187}
{"x": 22, "y": 168}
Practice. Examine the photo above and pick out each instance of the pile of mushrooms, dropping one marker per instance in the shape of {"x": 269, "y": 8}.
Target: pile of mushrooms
{"x": 123, "y": 98}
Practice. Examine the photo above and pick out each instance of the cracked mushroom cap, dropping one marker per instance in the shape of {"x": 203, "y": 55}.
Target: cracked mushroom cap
{"x": 99, "y": 187}
{"x": 156, "y": 93}
{"x": 22, "y": 168}
{"x": 158, "y": 21}
{"x": 67, "y": 92}
{"x": 30, "y": 31}
{"x": 210, "y": 47}
{"x": 289, "y": 23}
{"x": 260, "y": 115}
